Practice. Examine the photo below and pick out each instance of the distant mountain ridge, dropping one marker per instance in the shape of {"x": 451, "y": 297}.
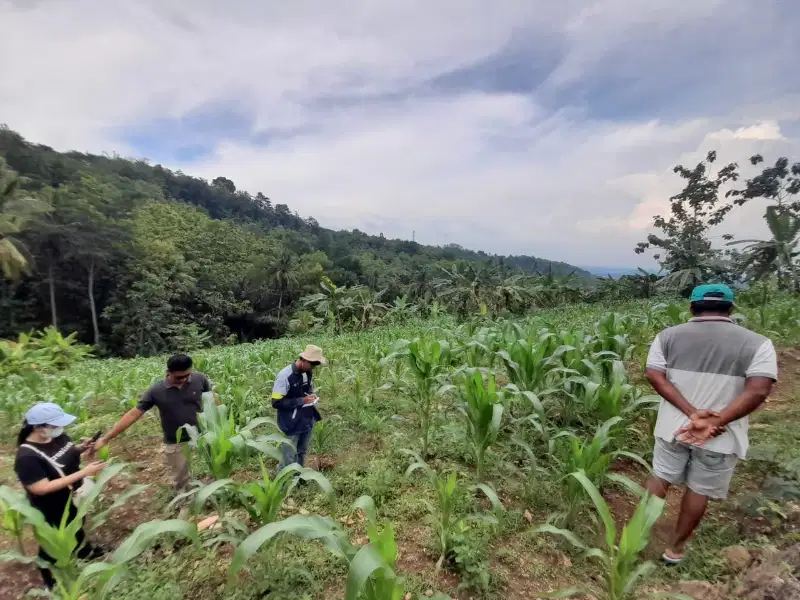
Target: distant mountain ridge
{"x": 222, "y": 200}
{"x": 613, "y": 271}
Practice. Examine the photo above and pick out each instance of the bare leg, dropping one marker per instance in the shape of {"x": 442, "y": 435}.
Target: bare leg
{"x": 657, "y": 486}
{"x": 693, "y": 507}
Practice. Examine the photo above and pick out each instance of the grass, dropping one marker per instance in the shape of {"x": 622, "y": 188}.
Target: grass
{"x": 509, "y": 561}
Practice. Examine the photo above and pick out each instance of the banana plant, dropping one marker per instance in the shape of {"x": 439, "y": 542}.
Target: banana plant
{"x": 622, "y": 569}
{"x": 447, "y": 524}
{"x": 222, "y": 444}
{"x": 429, "y": 362}
{"x": 482, "y": 408}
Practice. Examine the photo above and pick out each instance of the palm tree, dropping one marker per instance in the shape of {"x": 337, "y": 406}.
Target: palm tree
{"x": 16, "y": 208}
{"x": 282, "y": 273}
{"x": 776, "y": 256}
{"x": 271, "y": 275}
{"x": 333, "y": 302}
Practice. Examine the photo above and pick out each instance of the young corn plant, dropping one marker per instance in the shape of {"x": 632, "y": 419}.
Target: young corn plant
{"x": 603, "y": 398}
{"x": 95, "y": 580}
{"x": 429, "y": 362}
{"x": 611, "y": 335}
{"x": 13, "y": 522}
{"x": 218, "y": 492}
{"x": 591, "y": 457}
{"x": 222, "y": 444}
{"x": 263, "y": 499}
{"x": 447, "y": 524}
{"x": 527, "y": 361}
{"x": 324, "y": 435}
{"x": 371, "y": 574}
{"x": 482, "y": 408}
{"x": 619, "y": 558}
{"x": 75, "y": 579}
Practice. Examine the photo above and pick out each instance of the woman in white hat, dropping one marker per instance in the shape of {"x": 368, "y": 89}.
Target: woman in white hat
{"x": 48, "y": 466}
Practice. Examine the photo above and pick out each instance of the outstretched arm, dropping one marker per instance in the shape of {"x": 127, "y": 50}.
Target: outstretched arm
{"x": 128, "y": 419}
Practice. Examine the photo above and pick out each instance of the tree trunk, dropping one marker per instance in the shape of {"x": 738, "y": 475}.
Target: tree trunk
{"x": 52, "y": 284}
{"x": 93, "y": 306}
{"x": 280, "y": 303}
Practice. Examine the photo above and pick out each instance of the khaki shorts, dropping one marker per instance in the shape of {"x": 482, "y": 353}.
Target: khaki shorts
{"x": 704, "y": 472}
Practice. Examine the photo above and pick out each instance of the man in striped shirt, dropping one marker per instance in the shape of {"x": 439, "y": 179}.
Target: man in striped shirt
{"x": 711, "y": 374}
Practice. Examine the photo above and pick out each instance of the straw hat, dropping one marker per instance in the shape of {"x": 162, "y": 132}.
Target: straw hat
{"x": 313, "y": 354}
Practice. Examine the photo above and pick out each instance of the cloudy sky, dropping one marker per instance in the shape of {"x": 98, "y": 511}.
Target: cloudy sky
{"x": 512, "y": 126}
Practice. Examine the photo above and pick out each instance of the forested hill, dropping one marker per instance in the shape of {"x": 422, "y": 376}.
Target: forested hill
{"x": 135, "y": 256}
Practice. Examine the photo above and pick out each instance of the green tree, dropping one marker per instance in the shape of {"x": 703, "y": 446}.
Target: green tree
{"x": 17, "y": 208}
{"x": 684, "y": 247}
{"x": 780, "y": 184}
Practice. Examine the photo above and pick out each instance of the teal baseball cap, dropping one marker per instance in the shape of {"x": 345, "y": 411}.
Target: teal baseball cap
{"x": 714, "y": 292}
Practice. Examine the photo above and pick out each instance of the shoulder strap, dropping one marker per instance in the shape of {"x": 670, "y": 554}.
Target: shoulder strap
{"x": 53, "y": 463}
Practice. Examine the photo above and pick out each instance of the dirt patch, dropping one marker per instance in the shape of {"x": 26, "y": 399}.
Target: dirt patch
{"x": 788, "y": 375}
{"x": 413, "y": 559}
{"x": 771, "y": 575}
{"x": 528, "y": 574}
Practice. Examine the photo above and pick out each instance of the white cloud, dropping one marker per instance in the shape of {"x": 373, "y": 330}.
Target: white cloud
{"x": 371, "y": 145}
{"x": 769, "y": 130}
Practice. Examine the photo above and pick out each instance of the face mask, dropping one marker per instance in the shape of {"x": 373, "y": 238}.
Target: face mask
{"x": 52, "y": 434}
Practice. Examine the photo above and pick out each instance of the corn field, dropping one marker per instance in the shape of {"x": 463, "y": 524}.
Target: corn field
{"x": 440, "y": 440}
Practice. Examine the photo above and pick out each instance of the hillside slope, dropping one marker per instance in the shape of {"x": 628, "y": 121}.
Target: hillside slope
{"x": 162, "y": 251}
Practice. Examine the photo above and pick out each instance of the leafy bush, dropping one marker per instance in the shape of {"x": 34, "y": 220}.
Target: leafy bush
{"x": 42, "y": 351}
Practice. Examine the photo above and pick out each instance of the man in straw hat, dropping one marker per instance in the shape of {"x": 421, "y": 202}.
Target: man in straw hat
{"x": 294, "y": 398}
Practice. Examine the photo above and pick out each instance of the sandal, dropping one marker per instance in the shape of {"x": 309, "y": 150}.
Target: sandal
{"x": 671, "y": 560}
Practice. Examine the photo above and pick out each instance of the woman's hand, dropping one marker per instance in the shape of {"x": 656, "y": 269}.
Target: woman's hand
{"x": 86, "y": 445}
{"x": 93, "y": 469}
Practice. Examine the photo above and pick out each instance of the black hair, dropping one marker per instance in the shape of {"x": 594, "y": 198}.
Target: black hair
{"x": 179, "y": 362}
{"x": 711, "y": 306}
{"x": 26, "y": 430}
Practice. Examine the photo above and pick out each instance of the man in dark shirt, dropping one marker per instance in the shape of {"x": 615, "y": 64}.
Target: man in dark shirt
{"x": 178, "y": 398}
{"x": 294, "y": 398}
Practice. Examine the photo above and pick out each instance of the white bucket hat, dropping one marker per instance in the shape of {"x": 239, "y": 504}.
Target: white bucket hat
{"x": 313, "y": 354}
